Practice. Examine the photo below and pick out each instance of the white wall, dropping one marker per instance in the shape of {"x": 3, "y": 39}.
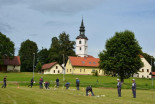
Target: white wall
{"x": 84, "y": 47}
{"x": 53, "y": 70}
{"x": 146, "y": 67}
{"x": 13, "y": 68}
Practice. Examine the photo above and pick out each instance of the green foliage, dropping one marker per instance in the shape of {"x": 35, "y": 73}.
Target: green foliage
{"x": 60, "y": 46}
{"x": 6, "y": 47}
{"x": 95, "y": 73}
{"x": 121, "y": 55}
{"x": 43, "y": 56}
{"x": 26, "y": 53}
{"x": 38, "y": 67}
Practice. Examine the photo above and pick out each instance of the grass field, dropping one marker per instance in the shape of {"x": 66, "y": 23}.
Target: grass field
{"x": 26, "y": 95}
{"x": 23, "y": 79}
{"x": 104, "y": 88}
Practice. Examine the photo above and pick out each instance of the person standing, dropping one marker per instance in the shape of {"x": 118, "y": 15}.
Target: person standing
{"x": 77, "y": 83}
{"x": 119, "y": 87}
{"x": 57, "y": 82}
{"x": 134, "y": 88}
{"x": 31, "y": 83}
{"x": 41, "y": 83}
{"x": 89, "y": 89}
{"x": 4, "y": 82}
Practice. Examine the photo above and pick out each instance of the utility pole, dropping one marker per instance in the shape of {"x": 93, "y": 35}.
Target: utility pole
{"x": 33, "y": 63}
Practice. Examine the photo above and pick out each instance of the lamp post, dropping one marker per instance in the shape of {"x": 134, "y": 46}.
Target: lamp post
{"x": 151, "y": 70}
{"x": 33, "y": 63}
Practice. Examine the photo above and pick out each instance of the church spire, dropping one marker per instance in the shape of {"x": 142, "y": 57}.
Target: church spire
{"x": 82, "y": 31}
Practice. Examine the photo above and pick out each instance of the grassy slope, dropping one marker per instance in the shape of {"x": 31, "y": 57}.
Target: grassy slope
{"x": 25, "y": 95}
{"x": 100, "y": 81}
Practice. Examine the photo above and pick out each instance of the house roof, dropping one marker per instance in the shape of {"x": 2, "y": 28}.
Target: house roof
{"x": 49, "y": 65}
{"x": 84, "y": 61}
{"x": 153, "y": 73}
{"x": 14, "y": 61}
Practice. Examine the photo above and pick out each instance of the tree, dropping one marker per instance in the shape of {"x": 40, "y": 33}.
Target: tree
{"x": 149, "y": 58}
{"x": 26, "y": 53}
{"x": 38, "y": 67}
{"x": 6, "y": 47}
{"x": 43, "y": 56}
{"x": 60, "y": 47}
{"x": 121, "y": 55}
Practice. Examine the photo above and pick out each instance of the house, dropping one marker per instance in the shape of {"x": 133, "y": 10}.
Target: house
{"x": 144, "y": 72}
{"x": 11, "y": 65}
{"x": 52, "y": 68}
{"x": 83, "y": 65}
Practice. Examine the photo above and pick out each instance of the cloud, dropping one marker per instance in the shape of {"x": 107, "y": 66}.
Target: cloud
{"x": 4, "y": 27}
{"x": 55, "y": 6}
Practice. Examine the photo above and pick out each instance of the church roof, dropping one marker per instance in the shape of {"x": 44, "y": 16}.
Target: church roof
{"x": 49, "y": 65}
{"x": 84, "y": 61}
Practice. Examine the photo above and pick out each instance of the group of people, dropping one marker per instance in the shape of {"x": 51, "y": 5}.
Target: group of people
{"x": 119, "y": 86}
{"x": 67, "y": 85}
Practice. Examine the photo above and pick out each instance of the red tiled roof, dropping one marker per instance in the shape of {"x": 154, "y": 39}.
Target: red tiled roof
{"x": 14, "y": 61}
{"x": 141, "y": 56}
{"x": 49, "y": 65}
{"x": 153, "y": 73}
{"x": 84, "y": 61}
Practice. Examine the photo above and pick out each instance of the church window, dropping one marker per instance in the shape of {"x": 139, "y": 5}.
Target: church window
{"x": 80, "y": 42}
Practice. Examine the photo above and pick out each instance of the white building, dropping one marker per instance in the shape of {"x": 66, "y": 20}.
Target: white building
{"x": 11, "y": 65}
{"x": 144, "y": 72}
{"x": 52, "y": 68}
{"x": 82, "y": 42}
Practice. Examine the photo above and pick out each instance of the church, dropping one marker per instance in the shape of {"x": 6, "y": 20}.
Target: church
{"x": 82, "y": 64}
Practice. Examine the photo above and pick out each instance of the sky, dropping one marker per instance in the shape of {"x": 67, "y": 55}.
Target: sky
{"x": 40, "y": 20}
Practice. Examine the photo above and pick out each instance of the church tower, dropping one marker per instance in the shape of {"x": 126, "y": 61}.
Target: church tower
{"x": 82, "y": 42}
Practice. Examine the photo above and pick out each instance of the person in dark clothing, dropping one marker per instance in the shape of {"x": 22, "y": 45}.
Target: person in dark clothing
{"x": 119, "y": 85}
{"x": 89, "y": 89}
{"x": 41, "y": 83}
{"x": 77, "y": 83}
{"x": 57, "y": 82}
{"x": 67, "y": 85}
{"x": 4, "y": 82}
{"x": 31, "y": 83}
{"x": 47, "y": 85}
{"x": 134, "y": 88}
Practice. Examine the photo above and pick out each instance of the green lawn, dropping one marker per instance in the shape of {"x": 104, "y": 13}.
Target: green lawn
{"x": 26, "y": 95}
{"x": 104, "y": 87}
{"x": 85, "y": 80}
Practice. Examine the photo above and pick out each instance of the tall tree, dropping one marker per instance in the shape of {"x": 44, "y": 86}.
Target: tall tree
{"x": 6, "y": 47}
{"x": 121, "y": 55}
{"x": 43, "y": 56}
{"x": 61, "y": 46}
{"x": 27, "y": 52}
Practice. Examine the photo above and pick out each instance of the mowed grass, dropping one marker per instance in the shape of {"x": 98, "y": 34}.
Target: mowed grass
{"x": 26, "y": 95}
{"x": 23, "y": 79}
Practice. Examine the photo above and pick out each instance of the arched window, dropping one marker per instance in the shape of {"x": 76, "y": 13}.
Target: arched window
{"x": 80, "y": 42}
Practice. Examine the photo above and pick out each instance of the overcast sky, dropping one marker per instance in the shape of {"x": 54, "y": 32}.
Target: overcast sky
{"x": 40, "y": 20}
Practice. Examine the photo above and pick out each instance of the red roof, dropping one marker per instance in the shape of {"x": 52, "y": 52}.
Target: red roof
{"x": 14, "y": 61}
{"x": 49, "y": 65}
{"x": 153, "y": 73}
{"x": 84, "y": 61}
{"x": 141, "y": 56}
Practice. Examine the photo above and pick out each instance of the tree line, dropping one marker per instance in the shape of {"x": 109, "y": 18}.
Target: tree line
{"x": 60, "y": 46}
